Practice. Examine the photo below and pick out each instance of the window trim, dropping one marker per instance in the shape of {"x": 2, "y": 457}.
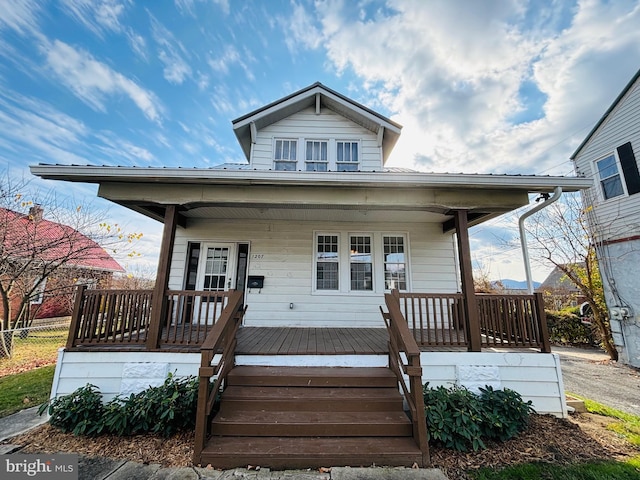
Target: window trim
{"x": 338, "y": 261}
{"x": 344, "y": 261}
{"x": 343, "y": 162}
{"x": 619, "y": 173}
{"x": 372, "y": 262}
{"x": 281, "y": 161}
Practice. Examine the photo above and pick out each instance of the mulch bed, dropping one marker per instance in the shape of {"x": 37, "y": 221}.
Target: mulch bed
{"x": 581, "y": 438}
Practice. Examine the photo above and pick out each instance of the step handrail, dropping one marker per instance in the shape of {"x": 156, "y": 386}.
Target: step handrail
{"x": 221, "y": 341}
{"x": 403, "y": 344}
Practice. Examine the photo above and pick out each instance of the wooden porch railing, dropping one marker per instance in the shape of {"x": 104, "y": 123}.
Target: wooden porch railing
{"x": 121, "y": 317}
{"x": 505, "y": 321}
{"x": 402, "y": 344}
{"x": 221, "y": 340}
{"x": 191, "y": 315}
{"x": 435, "y": 319}
{"x": 513, "y": 321}
{"x": 109, "y": 317}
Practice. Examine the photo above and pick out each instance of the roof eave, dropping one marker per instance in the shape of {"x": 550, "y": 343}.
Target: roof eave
{"x": 606, "y": 115}
{"x": 94, "y": 174}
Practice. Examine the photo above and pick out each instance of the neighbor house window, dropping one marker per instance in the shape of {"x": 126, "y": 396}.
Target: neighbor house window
{"x": 610, "y": 180}
{"x": 316, "y": 157}
{"x": 395, "y": 262}
{"x": 285, "y": 155}
{"x": 347, "y": 159}
{"x": 37, "y": 296}
{"x": 327, "y": 262}
{"x": 361, "y": 262}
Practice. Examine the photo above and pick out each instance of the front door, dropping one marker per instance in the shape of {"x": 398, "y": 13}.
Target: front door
{"x": 217, "y": 274}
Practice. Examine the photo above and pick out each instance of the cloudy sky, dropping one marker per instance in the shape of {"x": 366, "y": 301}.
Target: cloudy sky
{"x": 479, "y": 86}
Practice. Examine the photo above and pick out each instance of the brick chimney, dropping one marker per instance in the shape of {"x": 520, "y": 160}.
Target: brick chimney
{"x": 35, "y": 213}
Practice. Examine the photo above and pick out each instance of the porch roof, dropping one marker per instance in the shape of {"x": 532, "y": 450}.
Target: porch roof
{"x": 367, "y": 196}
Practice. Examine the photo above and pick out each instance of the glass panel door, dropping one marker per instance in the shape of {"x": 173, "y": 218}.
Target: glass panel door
{"x": 216, "y": 274}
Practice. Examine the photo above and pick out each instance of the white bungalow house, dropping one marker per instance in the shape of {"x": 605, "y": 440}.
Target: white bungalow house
{"x": 609, "y": 154}
{"x": 311, "y": 282}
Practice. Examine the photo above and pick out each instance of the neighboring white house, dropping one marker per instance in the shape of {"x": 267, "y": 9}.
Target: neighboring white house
{"x": 609, "y": 154}
{"x": 314, "y": 230}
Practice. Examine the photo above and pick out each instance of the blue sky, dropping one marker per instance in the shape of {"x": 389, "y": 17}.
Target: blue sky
{"x": 491, "y": 86}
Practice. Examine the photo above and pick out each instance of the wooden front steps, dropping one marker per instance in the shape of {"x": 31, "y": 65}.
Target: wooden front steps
{"x": 308, "y": 417}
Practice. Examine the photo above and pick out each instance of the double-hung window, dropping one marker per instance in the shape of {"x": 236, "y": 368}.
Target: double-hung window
{"x": 395, "y": 262}
{"x": 361, "y": 261}
{"x": 316, "y": 155}
{"x": 618, "y": 173}
{"x": 347, "y": 159}
{"x": 610, "y": 180}
{"x": 285, "y": 154}
{"x": 327, "y": 262}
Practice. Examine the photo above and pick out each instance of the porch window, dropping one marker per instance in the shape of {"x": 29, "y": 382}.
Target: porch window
{"x": 285, "y": 155}
{"x": 395, "y": 262}
{"x": 347, "y": 156}
{"x": 327, "y": 258}
{"x": 361, "y": 262}
{"x": 316, "y": 156}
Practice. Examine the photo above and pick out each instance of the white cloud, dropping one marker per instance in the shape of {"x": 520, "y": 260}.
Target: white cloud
{"x": 93, "y": 81}
{"x": 171, "y": 53}
{"x": 96, "y": 15}
{"x": 36, "y": 132}
{"x": 188, "y": 6}
{"x": 19, "y": 15}
{"x": 453, "y": 74}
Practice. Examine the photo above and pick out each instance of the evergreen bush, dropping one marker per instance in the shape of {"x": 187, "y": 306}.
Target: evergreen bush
{"x": 458, "y": 418}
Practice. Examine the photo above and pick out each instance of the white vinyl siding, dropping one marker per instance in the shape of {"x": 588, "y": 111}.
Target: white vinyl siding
{"x": 328, "y": 126}
{"x": 622, "y": 125}
{"x": 283, "y": 251}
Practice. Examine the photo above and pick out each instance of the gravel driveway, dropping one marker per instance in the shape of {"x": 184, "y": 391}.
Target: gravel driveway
{"x": 589, "y": 373}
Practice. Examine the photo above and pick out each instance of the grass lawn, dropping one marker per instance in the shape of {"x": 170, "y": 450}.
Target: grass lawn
{"x": 585, "y": 471}
{"x": 24, "y": 390}
{"x": 627, "y": 426}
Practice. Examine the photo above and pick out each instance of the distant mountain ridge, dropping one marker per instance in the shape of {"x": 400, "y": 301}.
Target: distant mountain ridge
{"x": 509, "y": 284}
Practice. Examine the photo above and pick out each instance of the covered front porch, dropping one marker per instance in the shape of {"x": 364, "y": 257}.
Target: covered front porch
{"x": 112, "y": 320}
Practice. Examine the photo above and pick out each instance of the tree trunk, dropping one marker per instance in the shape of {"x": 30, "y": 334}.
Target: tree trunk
{"x": 605, "y": 333}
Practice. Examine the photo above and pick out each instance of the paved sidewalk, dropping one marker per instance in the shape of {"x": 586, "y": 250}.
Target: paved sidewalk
{"x": 19, "y": 423}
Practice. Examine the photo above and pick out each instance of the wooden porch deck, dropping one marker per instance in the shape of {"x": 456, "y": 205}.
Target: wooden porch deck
{"x": 311, "y": 341}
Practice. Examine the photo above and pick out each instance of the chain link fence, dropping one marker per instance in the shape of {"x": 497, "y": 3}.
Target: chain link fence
{"x": 35, "y": 345}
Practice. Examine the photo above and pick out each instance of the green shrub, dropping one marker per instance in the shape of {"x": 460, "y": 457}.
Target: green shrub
{"x": 80, "y": 412}
{"x": 165, "y": 410}
{"x": 566, "y": 328}
{"x": 458, "y": 418}
{"x": 453, "y": 417}
{"x": 504, "y": 413}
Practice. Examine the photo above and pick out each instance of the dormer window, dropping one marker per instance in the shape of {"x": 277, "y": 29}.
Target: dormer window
{"x": 285, "y": 155}
{"x": 316, "y": 156}
{"x": 347, "y": 159}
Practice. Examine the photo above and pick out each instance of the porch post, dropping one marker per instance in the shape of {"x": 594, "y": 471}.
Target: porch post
{"x": 158, "y": 304}
{"x": 470, "y": 304}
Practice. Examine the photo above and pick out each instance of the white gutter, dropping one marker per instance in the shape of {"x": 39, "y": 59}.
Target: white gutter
{"x": 557, "y": 193}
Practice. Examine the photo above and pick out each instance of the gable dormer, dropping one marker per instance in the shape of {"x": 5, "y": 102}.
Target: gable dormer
{"x": 316, "y": 129}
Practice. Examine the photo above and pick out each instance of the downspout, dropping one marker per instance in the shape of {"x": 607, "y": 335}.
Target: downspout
{"x": 557, "y": 193}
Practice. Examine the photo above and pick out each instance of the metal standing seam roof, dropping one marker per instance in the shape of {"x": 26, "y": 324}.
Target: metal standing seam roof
{"x": 53, "y": 241}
